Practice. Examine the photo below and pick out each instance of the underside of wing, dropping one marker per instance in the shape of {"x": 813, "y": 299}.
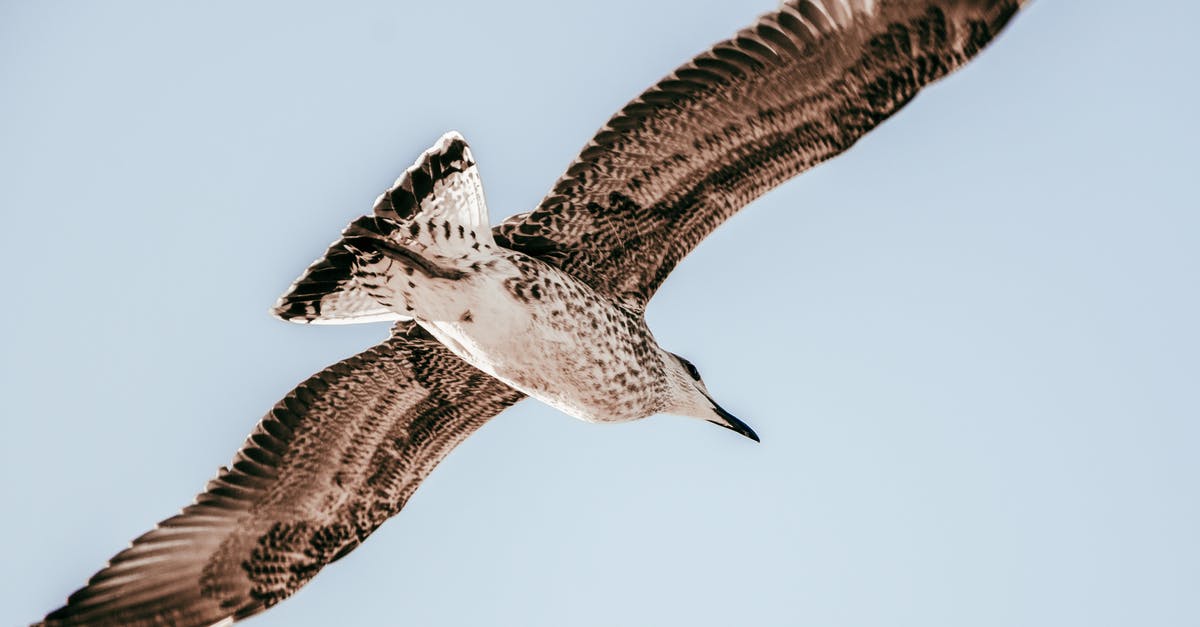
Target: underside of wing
{"x": 333, "y": 460}
{"x": 794, "y": 89}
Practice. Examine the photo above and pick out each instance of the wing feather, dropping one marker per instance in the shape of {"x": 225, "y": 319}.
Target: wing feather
{"x": 333, "y": 460}
{"x": 342, "y": 452}
{"x": 795, "y": 88}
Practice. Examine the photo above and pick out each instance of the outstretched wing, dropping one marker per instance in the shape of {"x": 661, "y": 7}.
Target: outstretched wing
{"x": 335, "y": 458}
{"x": 797, "y": 87}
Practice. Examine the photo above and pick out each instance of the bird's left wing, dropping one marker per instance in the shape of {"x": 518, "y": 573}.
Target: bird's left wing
{"x": 797, "y": 87}
{"x": 333, "y": 460}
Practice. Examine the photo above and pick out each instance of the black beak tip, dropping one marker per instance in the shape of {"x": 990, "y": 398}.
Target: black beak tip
{"x": 729, "y": 421}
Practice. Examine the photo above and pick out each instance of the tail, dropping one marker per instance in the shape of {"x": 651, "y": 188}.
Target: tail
{"x": 437, "y": 205}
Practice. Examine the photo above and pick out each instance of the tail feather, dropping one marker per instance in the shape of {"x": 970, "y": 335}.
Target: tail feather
{"x": 327, "y": 293}
{"x": 436, "y": 205}
{"x": 439, "y": 200}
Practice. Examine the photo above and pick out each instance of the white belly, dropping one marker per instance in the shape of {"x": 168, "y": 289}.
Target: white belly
{"x": 551, "y": 337}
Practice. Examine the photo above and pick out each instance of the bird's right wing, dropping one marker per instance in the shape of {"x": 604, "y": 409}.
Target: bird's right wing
{"x": 334, "y": 459}
{"x": 796, "y": 88}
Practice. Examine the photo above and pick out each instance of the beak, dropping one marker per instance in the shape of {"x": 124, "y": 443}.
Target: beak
{"x": 729, "y": 421}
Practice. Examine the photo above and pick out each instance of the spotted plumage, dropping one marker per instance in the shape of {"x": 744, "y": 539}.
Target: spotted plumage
{"x": 443, "y": 180}
{"x": 794, "y": 89}
{"x": 550, "y": 303}
{"x": 327, "y": 465}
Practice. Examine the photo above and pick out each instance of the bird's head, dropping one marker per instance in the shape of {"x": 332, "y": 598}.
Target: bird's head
{"x": 689, "y": 397}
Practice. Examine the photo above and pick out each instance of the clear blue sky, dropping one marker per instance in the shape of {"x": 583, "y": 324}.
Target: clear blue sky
{"x": 970, "y": 345}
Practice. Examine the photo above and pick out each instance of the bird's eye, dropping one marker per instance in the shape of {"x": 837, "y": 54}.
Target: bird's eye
{"x": 695, "y": 374}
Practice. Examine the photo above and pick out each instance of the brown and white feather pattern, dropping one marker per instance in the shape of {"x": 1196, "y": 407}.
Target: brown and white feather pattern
{"x": 343, "y": 451}
{"x": 442, "y": 184}
{"x": 796, "y": 88}
{"x": 334, "y": 459}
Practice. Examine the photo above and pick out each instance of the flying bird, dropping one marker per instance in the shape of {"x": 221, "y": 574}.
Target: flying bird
{"x": 549, "y": 303}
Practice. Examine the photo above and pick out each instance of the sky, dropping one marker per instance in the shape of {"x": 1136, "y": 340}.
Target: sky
{"x": 969, "y": 344}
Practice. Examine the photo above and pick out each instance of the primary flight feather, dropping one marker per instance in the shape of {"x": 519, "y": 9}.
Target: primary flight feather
{"x": 547, "y": 304}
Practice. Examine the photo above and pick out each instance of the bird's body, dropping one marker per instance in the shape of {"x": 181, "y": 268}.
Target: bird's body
{"x": 521, "y": 320}
{"x": 552, "y": 337}
{"x": 549, "y": 303}
{"x": 538, "y": 330}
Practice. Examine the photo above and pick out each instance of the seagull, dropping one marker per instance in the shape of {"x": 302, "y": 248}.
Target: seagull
{"x": 548, "y": 304}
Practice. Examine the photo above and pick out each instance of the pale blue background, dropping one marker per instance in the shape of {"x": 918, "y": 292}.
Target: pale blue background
{"x": 970, "y": 345}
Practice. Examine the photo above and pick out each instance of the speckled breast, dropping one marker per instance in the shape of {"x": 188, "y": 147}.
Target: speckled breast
{"x": 553, "y": 337}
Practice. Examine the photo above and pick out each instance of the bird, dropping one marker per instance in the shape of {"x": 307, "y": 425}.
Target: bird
{"x": 547, "y": 304}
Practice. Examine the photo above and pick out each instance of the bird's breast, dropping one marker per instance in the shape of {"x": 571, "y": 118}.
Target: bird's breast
{"x": 552, "y": 337}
